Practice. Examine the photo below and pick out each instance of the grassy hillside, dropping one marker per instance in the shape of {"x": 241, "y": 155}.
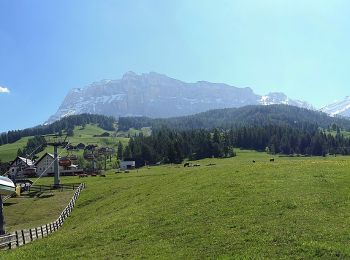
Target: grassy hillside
{"x": 8, "y": 152}
{"x": 84, "y": 135}
{"x": 290, "y": 208}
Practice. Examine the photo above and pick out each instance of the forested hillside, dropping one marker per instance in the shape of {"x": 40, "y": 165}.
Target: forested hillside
{"x": 246, "y": 116}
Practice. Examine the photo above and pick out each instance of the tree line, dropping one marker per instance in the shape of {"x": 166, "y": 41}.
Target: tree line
{"x": 167, "y": 145}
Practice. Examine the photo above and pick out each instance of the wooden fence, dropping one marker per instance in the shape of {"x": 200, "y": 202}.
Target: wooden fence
{"x": 25, "y": 236}
{"x": 40, "y": 188}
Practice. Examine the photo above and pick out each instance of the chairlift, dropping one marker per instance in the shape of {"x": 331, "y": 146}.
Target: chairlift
{"x": 73, "y": 157}
{"x": 65, "y": 162}
{"x": 89, "y": 156}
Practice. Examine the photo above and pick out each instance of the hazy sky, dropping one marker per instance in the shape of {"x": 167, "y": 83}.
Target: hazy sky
{"x": 299, "y": 47}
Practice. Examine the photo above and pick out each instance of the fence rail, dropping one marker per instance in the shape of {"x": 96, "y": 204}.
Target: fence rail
{"x": 25, "y": 236}
{"x": 37, "y": 188}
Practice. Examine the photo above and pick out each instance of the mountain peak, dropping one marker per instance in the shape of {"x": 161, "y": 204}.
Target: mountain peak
{"x": 157, "y": 95}
{"x": 129, "y": 74}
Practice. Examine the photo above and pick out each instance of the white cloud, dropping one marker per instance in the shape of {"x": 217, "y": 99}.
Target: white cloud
{"x": 4, "y": 90}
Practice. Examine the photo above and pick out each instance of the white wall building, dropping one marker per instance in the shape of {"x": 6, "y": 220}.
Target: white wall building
{"x": 18, "y": 166}
{"x": 126, "y": 165}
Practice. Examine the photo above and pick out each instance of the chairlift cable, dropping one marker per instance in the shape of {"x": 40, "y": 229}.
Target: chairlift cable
{"x": 50, "y": 164}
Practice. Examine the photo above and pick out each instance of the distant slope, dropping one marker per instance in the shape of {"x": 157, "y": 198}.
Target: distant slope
{"x": 338, "y": 108}
{"x": 86, "y": 135}
{"x": 156, "y": 95}
{"x": 67, "y": 123}
{"x": 249, "y": 115}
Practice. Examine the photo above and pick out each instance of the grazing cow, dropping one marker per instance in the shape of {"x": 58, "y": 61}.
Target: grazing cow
{"x": 187, "y": 164}
{"x": 253, "y": 161}
{"x": 272, "y": 159}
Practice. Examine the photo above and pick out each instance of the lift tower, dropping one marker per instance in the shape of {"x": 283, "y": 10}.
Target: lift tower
{"x": 56, "y": 141}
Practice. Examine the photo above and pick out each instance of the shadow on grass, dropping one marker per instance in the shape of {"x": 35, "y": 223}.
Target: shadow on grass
{"x": 6, "y": 204}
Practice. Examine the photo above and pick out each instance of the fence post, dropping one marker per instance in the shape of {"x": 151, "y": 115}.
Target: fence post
{"x": 42, "y": 232}
{"x": 23, "y": 237}
{"x": 17, "y": 242}
{"x": 36, "y": 232}
{"x": 30, "y": 234}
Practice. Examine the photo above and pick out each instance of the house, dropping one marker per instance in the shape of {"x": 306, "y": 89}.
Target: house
{"x": 19, "y": 166}
{"x": 126, "y": 165}
{"x": 45, "y": 167}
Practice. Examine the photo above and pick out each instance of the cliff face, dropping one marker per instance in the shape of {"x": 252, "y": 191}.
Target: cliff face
{"x": 156, "y": 95}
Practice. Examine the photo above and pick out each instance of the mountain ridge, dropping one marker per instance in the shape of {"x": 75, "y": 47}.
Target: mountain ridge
{"x": 157, "y": 95}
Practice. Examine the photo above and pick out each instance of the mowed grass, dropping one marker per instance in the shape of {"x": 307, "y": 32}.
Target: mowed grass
{"x": 29, "y": 212}
{"x": 290, "y": 208}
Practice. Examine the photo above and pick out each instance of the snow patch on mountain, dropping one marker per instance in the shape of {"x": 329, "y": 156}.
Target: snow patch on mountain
{"x": 341, "y": 108}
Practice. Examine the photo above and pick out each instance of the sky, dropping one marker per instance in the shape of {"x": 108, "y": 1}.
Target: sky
{"x": 299, "y": 47}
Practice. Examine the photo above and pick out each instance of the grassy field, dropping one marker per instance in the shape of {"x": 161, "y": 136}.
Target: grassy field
{"x": 344, "y": 133}
{"x": 290, "y": 208}
{"x": 29, "y": 212}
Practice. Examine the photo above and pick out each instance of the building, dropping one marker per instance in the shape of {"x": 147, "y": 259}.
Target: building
{"x": 45, "y": 167}
{"x": 127, "y": 165}
{"x": 19, "y": 166}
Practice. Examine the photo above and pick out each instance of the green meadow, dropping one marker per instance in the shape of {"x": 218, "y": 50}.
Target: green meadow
{"x": 225, "y": 208}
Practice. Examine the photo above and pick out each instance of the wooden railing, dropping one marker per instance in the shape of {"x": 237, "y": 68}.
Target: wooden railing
{"x": 40, "y": 188}
{"x": 25, "y": 236}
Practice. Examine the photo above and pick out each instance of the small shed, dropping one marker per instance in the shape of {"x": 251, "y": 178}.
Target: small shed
{"x": 127, "y": 165}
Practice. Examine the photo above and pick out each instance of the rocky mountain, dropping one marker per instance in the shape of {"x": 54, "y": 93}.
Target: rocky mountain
{"x": 156, "y": 95}
{"x": 280, "y": 98}
{"x": 341, "y": 108}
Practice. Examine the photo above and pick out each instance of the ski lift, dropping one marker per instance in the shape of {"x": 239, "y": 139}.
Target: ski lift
{"x": 7, "y": 186}
{"x": 89, "y": 156}
{"x": 73, "y": 157}
{"x": 65, "y": 162}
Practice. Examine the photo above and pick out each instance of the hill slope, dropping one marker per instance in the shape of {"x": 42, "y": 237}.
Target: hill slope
{"x": 292, "y": 208}
{"x": 87, "y": 135}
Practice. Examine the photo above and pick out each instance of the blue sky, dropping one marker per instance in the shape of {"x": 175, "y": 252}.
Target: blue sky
{"x": 297, "y": 47}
